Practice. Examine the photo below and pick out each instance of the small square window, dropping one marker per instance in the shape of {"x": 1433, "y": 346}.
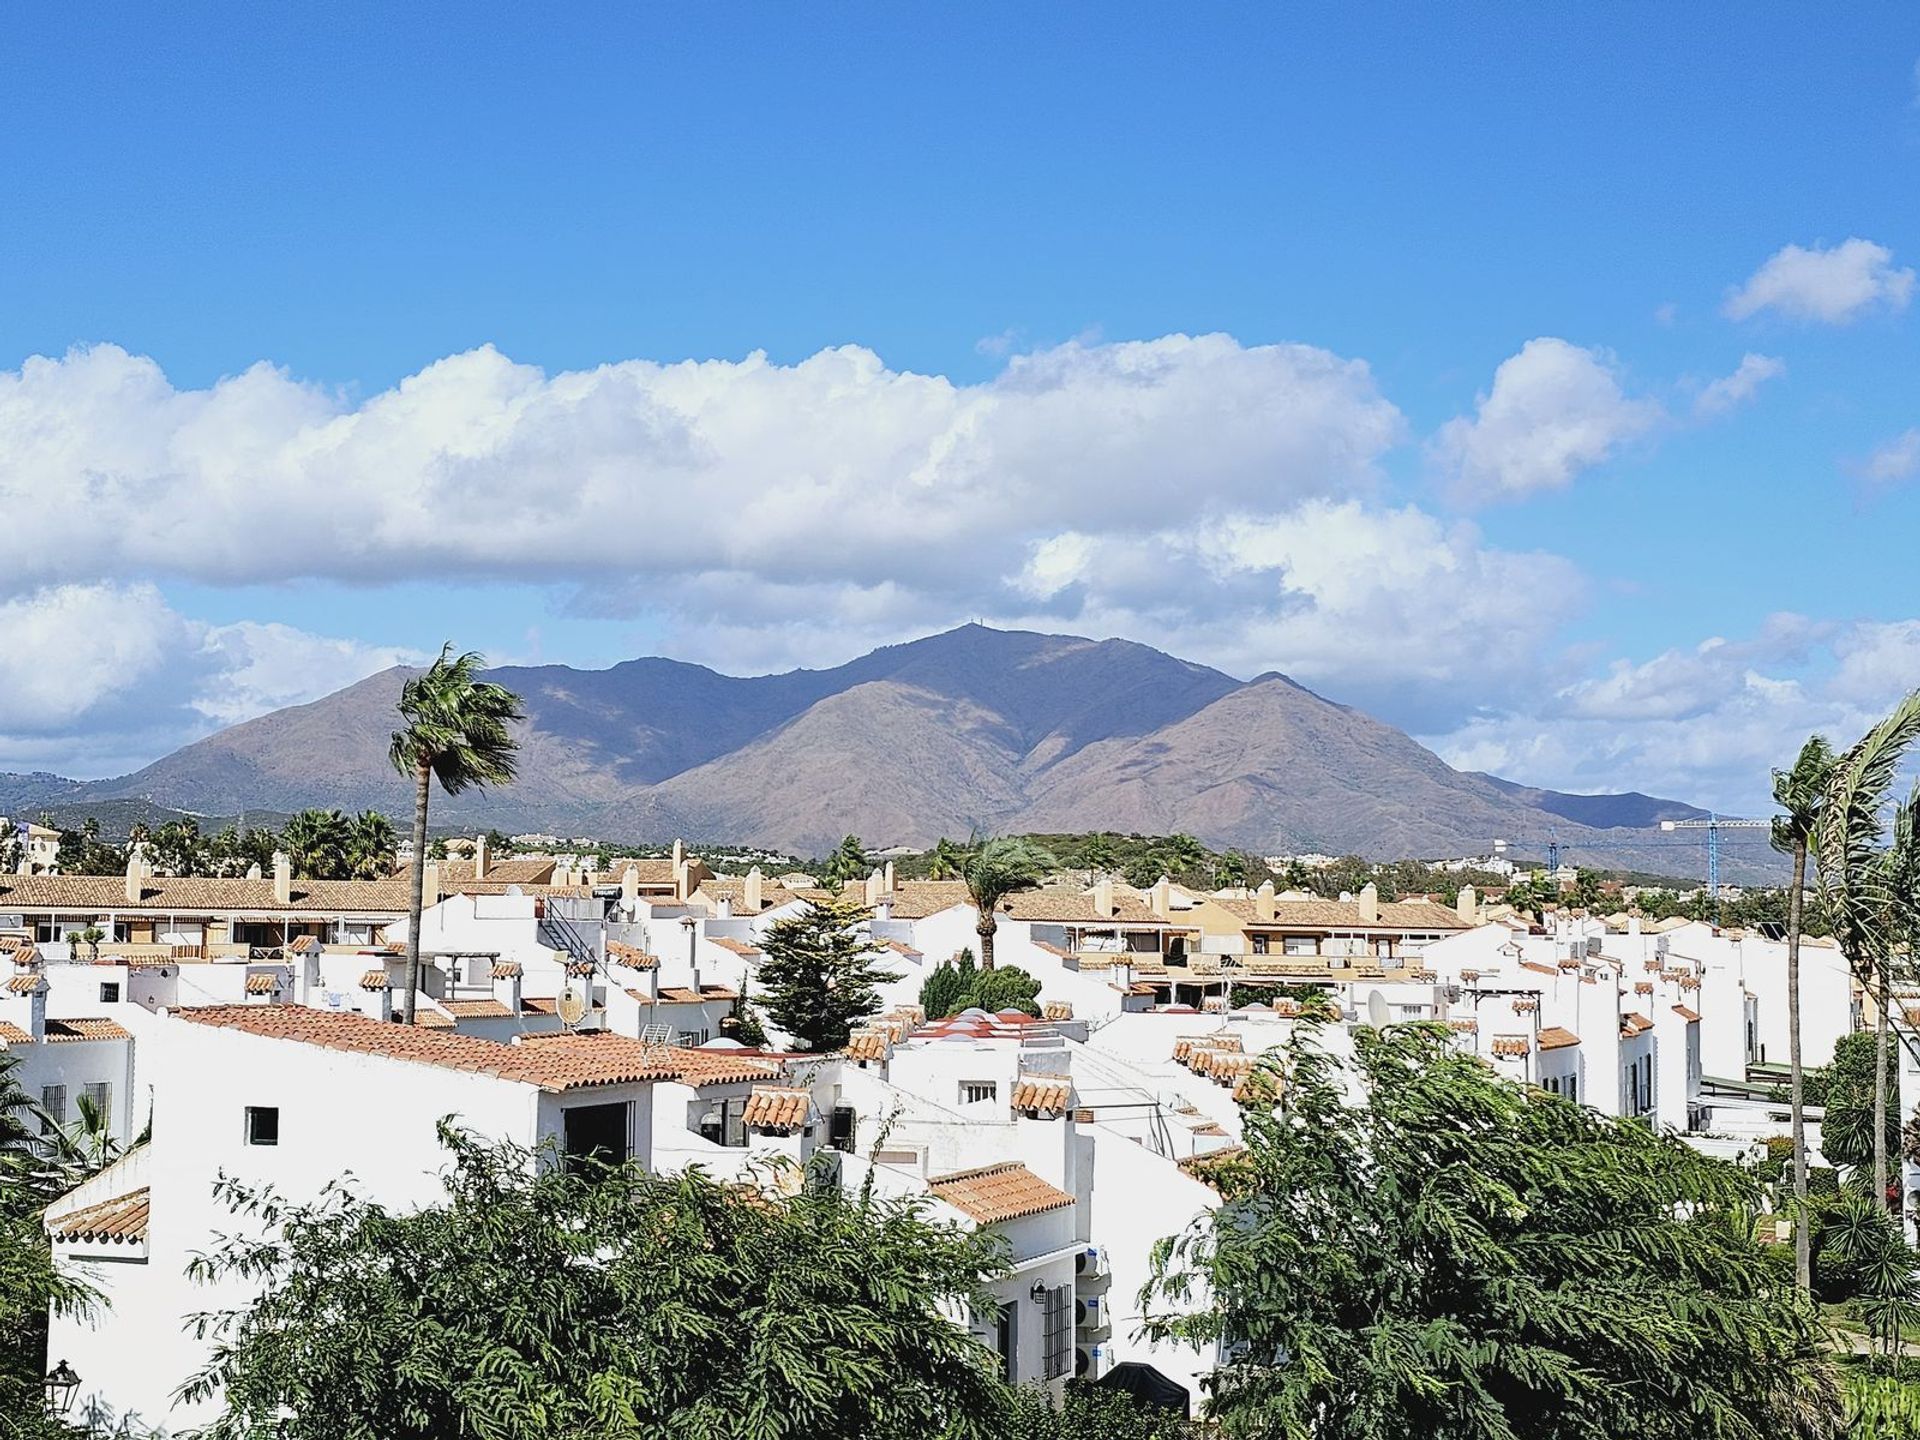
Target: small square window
{"x": 973, "y": 1092}
{"x": 263, "y": 1124}
{"x": 110, "y": 992}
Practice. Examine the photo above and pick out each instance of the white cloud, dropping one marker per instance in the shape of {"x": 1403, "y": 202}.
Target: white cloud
{"x": 1555, "y": 409}
{"x": 1896, "y": 460}
{"x": 99, "y": 678}
{"x": 1730, "y": 392}
{"x": 1832, "y": 285}
{"x": 1706, "y": 724}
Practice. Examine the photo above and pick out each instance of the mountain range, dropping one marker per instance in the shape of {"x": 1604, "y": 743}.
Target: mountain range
{"x": 971, "y": 730}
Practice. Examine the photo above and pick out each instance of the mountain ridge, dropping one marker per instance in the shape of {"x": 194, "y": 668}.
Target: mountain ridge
{"x": 971, "y": 729}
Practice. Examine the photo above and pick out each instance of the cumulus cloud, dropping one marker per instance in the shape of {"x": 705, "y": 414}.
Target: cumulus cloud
{"x": 1555, "y": 409}
{"x": 1706, "y": 723}
{"x": 1730, "y": 392}
{"x": 1832, "y": 285}
{"x": 99, "y": 678}
{"x": 1896, "y": 460}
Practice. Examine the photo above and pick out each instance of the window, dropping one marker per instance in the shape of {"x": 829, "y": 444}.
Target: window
{"x": 122, "y": 932}
{"x": 597, "y": 1132}
{"x": 100, "y": 1096}
{"x": 53, "y": 1101}
{"x": 45, "y": 932}
{"x": 1301, "y": 945}
{"x": 725, "y": 1123}
{"x": 110, "y": 992}
{"x": 840, "y": 1128}
{"x": 1057, "y": 1333}
{"x": 972, "y": 1092}
{"x": 263, "y": 1124}
{"x": 1260, "y": 944}
{"x": 1004, "y": 1342}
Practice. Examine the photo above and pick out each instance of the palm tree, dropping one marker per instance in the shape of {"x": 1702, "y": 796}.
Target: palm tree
{"x": 1854, "y": 879}
{"x": 1798, "y": 793}
{"x": 993, "y": 870}
{"x": 1098, "y": 854}
{"x": 371, "y": 842}
{"x": 943, "y": 862}
{"x": 457, "y": 732}
{"x": 317, "y": 842}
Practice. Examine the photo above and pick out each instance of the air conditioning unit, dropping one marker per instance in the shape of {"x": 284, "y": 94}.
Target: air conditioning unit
{"x": 1089, "y": 1312}
{"x": 1090, "y": 1263}
{"x": 1089, "y": 1362}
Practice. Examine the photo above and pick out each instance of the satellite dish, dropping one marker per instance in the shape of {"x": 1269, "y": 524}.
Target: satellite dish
{"x": 1378, "y": 1015}
{"x": 572, "y": 1006}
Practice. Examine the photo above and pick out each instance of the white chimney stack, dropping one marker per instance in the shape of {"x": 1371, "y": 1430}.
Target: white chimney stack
{"x": 1163, "y": 898}
{"x": 1103, "y": 897}
{"x": 630, "y": 889}
{"x": 1264, "y": 907}
{"x": 134, "y": 877}
{"x": 1468, "y": 905}
{"x": 282, "y": 877}
{"x": 889, "y": 877}
{"x": 480, "y": 856}
{"x": 876, "y": 887}
{"x": 1369, "y": 902}
{"x": 753, "y": 891}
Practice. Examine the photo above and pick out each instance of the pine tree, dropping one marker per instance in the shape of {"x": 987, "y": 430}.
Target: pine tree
{"x": 821, "y": 976}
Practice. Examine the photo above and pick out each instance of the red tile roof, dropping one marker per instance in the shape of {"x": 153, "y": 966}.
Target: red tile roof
{"x": 262, "y": 983}
{"x": 687, "y": 1064}
{"x": 1556, "y": 1037}
{"x": 867, "y": 1045}
{"x": 1042, "y": 1095}
{"x": 121, "y": 1220}
{"x": 11, "y": 1034}
{"x": 772, "y": 1107}
{"x": 631, "y": 956}
{"x": 476, "y": 1009}
{"x": 1511, "y": 1045}
{"x": 548, "y": 1066}
{"x": 1686, "y": 1013}
{"x": 88, "y": 1028}
{"x": 993, "y": 1193}
{"x": 738, "y": 947}
{"x": 506, "y": 970}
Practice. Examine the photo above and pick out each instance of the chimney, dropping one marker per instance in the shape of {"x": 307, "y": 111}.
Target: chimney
{"x": 1369, "y": 902}
{"x": 430, "y": 883}
{"x": 26, "y": 1003}
{"x": 506, "y": 984}
{"x": 679, "y": 854}
{"x": 1103, "y": 897}
{"x": 282, "y": 877}
{"x": 753, "y": 895}
{"x": 876, "y": 887}
{"x": 134, "y": 877}
{"x": 480, "y": 856}
{"x": 1163, "y": 898}
{"x": 1468, "y": 905}
{"x": 253, "y": 871}
{"x": 379, "y": 1002}
{"x": 1263, "y": 904}
{"x": 1633, "y": 925}
{"x": 630, "y": 889}
{"x": 889, "y": 877}
{"x": 682, "y": 886}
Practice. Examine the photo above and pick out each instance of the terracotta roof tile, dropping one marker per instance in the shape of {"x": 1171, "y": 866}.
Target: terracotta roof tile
{"x": 1511, "y": 1046}
{"x": 11, "y": 1034}
{"x": 772, "y": 1107}
{"x": 917, "y": 899}
{"x": 1556, "y": 1037}
{"x": 303, "y": 944}
{"x": 506, "y": 970}
{"x": 1398, "y": 915}
{"x": 737, "y": 947}
{"x": 686, "y": 1064}
{"x": 374, "y": 980}
{"x": 476, "y": 1009}
{"x": 121, "y": 1220}
{"x": 547, "y": 1066}
{"x": 994, "y": 1193}
{"x": 1686, "y": 1013}
{"x": 867, "y": 1045}
{"x": 262, "y": 983}
{"x": 24, "y": 984}
{"x": 86, "y": 1028}
{"x": 632, "y": 956}
{"x": 1042, "y": 1095}
{"x": 195, "y": 894}
{"x": 680, "y": 995}
{"x": 1634, "y": 1024}
{"x": 1068, "y": 907}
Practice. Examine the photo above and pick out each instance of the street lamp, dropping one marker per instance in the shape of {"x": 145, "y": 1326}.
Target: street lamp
{"x": 61, "y": 1383}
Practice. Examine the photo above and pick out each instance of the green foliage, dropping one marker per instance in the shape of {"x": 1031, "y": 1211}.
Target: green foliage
{"x": 1882, "y": 1407}
{"x": 316, "y": 842}
{"x": 1090, "y": 1413}
{"x": 994, "y": 869}
{"x": 540, "y": 1302}
{"x": 1845, "y": 1088}
{"x": 848, "y": 862}
{"x": 1862, "y": 1246}
{"x": 955, "y": 985}
{"x": 1460, "y": 1256}
{"x": 745, "y": 1026}
{"x": 821, "y": 974}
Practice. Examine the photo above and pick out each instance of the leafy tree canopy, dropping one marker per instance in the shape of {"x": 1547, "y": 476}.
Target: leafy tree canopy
{"x": 542, "y": 1303}
{"x": 1458, "y": 1256}
{"x": 822, "y": 974}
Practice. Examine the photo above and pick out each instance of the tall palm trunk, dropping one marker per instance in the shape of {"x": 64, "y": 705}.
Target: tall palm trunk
{"x": 422, "y": 778}
{"x": 1802, "y": 1238}
{"x": 1883, "y": 1000}
{"x": 984, "y": 929}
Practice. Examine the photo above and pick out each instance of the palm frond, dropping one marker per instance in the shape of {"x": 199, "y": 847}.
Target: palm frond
{"x": 1854, "y": 881}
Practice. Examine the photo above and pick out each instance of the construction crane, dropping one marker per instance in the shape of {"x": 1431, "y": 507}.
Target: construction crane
{"x": 1713, "y": 825}
{"x": 1554, "y": 845}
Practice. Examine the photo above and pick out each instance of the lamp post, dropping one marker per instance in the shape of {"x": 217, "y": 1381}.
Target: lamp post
{"x": 61, "y": 1383}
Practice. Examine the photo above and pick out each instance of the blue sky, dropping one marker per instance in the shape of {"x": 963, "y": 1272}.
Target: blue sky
{"x": 1527, "y": 429}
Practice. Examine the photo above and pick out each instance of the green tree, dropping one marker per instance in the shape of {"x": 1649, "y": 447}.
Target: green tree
{"x": 1798, "y": 793}
{"x": 1097, "y": 855}
{"x": 848, "y": 862}
{"x": 1090, "y": 1413}
{"x": 371, "y": 843}
{"x": 993, "y": 870}
{"x": 947, "y": 985}
{"x": 1846, "y": 1134}
{"x": 1853, "y": 876}
{"x": 317, "y": 842}
{"x": 821, "y": 975}
{"x": 943, "y": 861}
{"x": 458, "y": 731}
{"x": 1456, "y": 1255}
{"x": 177, "y": 847}
{"x": 547, "y": 1302}
{"x": 1866, "y": 1241}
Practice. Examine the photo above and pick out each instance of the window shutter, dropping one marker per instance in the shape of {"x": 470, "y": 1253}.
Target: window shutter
{"x": 1058, "y": 1333}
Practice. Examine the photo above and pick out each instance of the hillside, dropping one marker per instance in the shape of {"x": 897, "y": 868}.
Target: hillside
{"x": 973, "y": 729}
